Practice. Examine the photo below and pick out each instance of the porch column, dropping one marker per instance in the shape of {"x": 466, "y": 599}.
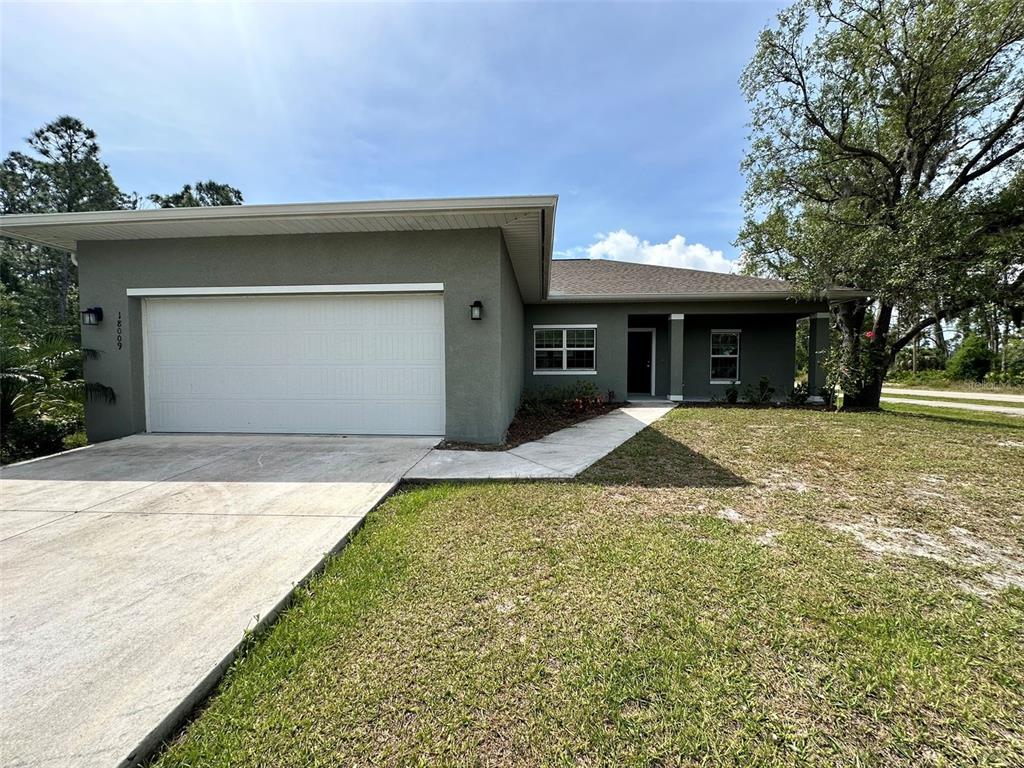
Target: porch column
{"x": 817, "y": 349}
{"x": 675, "y": 369}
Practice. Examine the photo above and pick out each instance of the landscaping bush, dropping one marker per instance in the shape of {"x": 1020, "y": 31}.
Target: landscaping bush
{"x": 76, "y": 440}
{"x": 828, "y": 395}
{"x": 799, "y": 394}
{"x": 971, "y": 361}
{"x": 760, "y": 394}
{"x": 580, "y": 397}
{"x": 732, "y": 394}
{"x": 29, "y": 438}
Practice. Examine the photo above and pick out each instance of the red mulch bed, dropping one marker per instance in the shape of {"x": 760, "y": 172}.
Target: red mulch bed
{"x": 526, "y": 428}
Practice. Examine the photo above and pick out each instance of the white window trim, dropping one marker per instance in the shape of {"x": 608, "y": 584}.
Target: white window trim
{"x": 739, "y": 350}
{"x": 565, "y": 350}
{"x": 260, "y": 290}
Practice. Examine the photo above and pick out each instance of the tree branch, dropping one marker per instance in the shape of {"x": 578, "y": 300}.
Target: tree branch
{"x": 966, "y": 174}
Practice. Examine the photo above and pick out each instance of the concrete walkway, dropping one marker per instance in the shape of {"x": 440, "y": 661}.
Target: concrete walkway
{"x": 130, "y": 571}
{"x": 1004, "y": 409}
{"x": 953, "y": 395}
{"x": 560, "y": 455}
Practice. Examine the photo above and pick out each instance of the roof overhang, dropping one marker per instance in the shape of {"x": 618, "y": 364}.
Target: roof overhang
{"x": 835, "y": 295}
{"x": 527, "y": 224}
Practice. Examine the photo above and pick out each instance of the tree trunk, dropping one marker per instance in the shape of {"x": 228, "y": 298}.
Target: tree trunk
{"x": 940, "y": 341}
{"x": 867, "y": 360}
{"x": 63, "y": 287}
{"x": 868, "y": 394}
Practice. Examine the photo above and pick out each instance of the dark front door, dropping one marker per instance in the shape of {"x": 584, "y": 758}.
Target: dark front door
{"x": 640, "y": 359}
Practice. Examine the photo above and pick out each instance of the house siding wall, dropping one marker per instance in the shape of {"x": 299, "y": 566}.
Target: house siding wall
{"x": 512, "y": 322}
{"x": 471, "y": 263}
{"x": 767, "y": 343}
{"x": 767, "y": 348}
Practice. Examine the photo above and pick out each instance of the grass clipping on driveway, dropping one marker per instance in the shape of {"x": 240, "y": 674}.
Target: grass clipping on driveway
{"x": 730, "y": 587}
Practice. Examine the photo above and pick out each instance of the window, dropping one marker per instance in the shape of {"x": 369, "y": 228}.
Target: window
{"x": 569, "y": 349}
{"x": 725, "y": 357}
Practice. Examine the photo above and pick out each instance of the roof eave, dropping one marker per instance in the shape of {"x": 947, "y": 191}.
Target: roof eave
{"x": 653, "y": 297}
{"x": 283, "y": 210}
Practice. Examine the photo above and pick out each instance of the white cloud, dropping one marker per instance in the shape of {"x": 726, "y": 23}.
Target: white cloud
{"x": 623, "y": 246}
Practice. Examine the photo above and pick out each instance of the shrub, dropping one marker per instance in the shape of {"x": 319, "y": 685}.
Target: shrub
{"x": 1014, "y": 354}
{"x": 580, "y": 397}
{"x": 1008, "y": 379}
{"x": 760, "y": 394}
{"x": 920, "y": 378}
{"x": 76, "y": 440}
{"x": 971, "y": 361}
{"x": 732, "y": 394}
{"x": 29, "y": 438}
{"x": 827, "y": 395}
{"x": 799, "y": 394}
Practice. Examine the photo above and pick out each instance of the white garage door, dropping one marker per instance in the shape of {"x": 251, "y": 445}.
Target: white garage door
{"x": 327, "y": 364}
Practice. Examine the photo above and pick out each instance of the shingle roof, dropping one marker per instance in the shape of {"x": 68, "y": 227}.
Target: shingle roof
{"x": 574, "y": 278}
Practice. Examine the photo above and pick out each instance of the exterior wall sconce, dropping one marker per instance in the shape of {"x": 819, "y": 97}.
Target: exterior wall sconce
{"x": 476, "y": 310}
{"x": 92, "y": 316}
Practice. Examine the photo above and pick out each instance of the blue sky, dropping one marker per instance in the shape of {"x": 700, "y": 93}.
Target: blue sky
{"x": 630, "y": 112}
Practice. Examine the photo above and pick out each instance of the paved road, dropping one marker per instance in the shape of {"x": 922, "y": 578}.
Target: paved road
{"x": 130, "y": 570}
{"x": 1005, "y": 409}
{"x": 998, "y": 398}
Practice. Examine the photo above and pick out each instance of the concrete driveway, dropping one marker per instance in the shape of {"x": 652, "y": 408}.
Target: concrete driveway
{"x": 130, "y": 570}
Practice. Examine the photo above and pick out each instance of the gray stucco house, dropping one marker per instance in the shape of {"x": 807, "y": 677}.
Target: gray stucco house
{"x": 405, "y": 317}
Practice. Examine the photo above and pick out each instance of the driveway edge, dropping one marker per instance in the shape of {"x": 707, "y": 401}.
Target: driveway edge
{"x": 184, "y": 712}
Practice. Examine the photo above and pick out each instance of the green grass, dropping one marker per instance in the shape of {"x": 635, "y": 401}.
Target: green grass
{"x": 955, "y": 415}
{"x": 622, "y": 620}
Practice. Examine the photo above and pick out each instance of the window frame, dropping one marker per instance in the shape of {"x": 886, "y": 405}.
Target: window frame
{"x": 565, "y": 349}
{"x": 712, "y": 356}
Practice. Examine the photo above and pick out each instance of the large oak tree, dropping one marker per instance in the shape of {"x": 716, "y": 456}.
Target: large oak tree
{"x": 885, "y": 154}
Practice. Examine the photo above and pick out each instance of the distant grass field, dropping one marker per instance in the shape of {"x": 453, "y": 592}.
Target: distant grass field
{"x": 731, "y": 587}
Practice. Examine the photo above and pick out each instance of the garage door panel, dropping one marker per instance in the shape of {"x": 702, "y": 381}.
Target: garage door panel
{"x": 307, "y": 416}
{"x": 318, "y": 364}
{"x": 340, "y": 348}
{"x": 311, "y": 381}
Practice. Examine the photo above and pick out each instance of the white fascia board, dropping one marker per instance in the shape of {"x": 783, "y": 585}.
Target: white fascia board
{"x": 367, "y": 208}
{"x": 59, "y": 230}
{"x": 262, "y": 290}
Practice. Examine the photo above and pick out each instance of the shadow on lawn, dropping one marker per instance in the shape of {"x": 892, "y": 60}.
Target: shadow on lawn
{"x": 652, "y": 459}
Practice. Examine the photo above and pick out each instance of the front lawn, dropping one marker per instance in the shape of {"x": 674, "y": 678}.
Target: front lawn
{"x": 731, "y": 587}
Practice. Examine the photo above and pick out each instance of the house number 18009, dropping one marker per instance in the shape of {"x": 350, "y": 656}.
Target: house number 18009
{"x": 118, "y": 330}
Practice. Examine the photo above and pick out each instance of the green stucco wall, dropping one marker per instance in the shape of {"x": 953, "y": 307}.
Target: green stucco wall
{"x": 767, "y": 342}
{"x": 511, "y": 338}
{"x": 472, "y": 264}
{"x": 767, "y": 348}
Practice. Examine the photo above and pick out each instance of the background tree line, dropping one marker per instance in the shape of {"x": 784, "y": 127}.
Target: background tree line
{"x": 886, "y": 155}
{"x": 42, "y": 392}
